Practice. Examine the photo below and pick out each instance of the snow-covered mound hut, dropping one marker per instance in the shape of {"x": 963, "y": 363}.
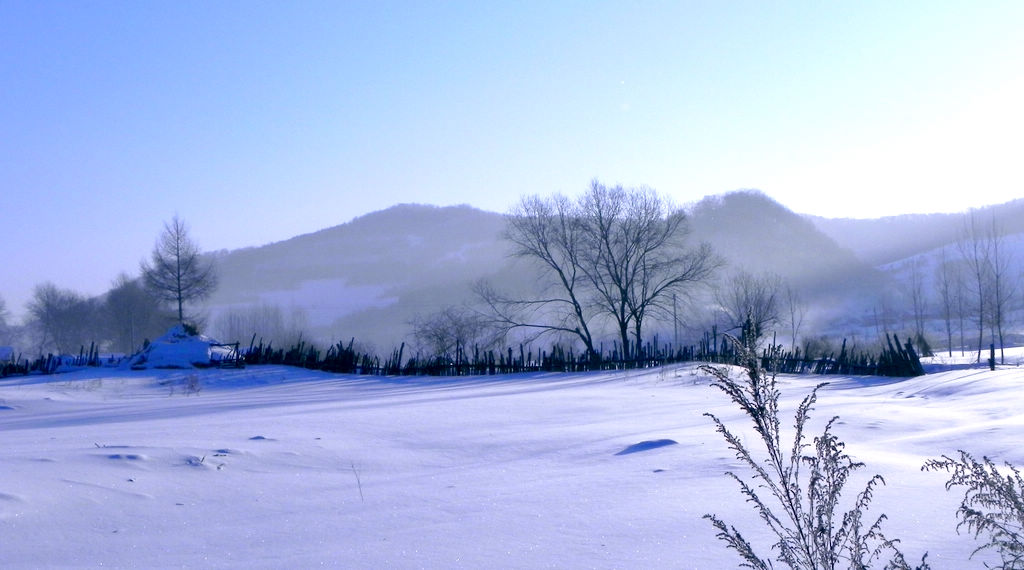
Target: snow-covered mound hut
{"x": 178, "y": 348}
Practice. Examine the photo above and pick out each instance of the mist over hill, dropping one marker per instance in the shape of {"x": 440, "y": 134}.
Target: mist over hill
{"x": 370, "y": 277}
{"x": 911, "y": 250}
{"x": 754, "y": 233}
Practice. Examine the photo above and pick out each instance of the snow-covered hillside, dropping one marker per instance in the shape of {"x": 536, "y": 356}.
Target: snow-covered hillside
{"x": 271, "y": 467}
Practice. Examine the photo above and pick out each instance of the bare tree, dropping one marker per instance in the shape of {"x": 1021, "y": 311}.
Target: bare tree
{"x": 43, "y": 314}
{"x": 177, "y": 272}
{"x": 613, "y": 252}
{"x": 950, "y": 280}
{"x": 133, "y": 313}
{"x": 8, "y": 331}
{"x": 976, "y": 251}
{"x": 450, "y": 332}
{"x": 62, "y": 319}
{"x": 3, "y": 320}
{"x": 796, "y": 310}
{"x": 887, "y": 317}
{"x": 748, "y": 297}
{"x": 915, "y": 289}
{"x": 636, "y": 256}
{"x": 267, "y": 322}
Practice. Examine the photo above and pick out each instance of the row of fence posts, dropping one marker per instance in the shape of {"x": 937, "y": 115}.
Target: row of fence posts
{"x": 895, "y": 359}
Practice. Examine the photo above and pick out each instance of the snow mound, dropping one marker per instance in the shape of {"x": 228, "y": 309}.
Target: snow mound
{"x": 178, "y": 348}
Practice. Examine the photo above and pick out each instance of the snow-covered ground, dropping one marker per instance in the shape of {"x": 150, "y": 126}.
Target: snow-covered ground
{"x": 274, "y": 467}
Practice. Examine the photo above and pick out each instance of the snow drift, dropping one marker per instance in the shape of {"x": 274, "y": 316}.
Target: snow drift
{"x": 179, "y": 348}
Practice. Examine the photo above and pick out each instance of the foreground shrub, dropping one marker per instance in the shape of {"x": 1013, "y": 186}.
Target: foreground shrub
{"x": 993, "y": 504}
{"x": 803, "y": 512}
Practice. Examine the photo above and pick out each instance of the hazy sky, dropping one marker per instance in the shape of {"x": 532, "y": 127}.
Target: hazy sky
{"x": 258, "y": 121}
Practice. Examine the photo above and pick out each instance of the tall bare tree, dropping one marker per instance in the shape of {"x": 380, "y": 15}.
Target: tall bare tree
{"x": 1002, "y": 286}
{"x": 635, "y": 256}
{"x": 613, "y": 252}
{"x": 951, "y": 286}
{"x": 918, "y": 301}
{"x": 550, "y": 233}
{"x": 177, "y": 272}
{"x": 796, "y": 309}
{"x": 976, "y": 250}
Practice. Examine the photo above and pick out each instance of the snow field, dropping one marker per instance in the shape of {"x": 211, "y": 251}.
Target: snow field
{"x": 280, "y": 467}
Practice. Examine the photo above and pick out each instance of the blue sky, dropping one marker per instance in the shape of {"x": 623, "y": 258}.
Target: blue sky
{"x": 258, "y": 121}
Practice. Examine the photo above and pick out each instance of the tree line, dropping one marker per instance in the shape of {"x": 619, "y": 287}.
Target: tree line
{"x": 134, "y": 309}
{"x": 967, "y": 293}
{"x": 979, "y": 285}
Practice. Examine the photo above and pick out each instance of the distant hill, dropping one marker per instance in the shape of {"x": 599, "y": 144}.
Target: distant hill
{"x": 890, "y": 239}
{"x": 757, "y": 234}
{"x": 368, "y": 277}
{"x": 378, "y": 248}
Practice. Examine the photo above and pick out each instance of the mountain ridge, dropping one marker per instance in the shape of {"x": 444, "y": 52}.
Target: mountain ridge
{"x": 371, "y": 276}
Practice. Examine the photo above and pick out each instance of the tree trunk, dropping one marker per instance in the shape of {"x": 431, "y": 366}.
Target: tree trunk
{"x": 624, "y": 337}
{"x": 638, "y": 338}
